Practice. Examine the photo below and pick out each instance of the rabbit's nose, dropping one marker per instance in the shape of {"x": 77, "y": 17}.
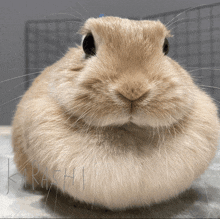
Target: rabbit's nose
{"x": 132, "y": 94}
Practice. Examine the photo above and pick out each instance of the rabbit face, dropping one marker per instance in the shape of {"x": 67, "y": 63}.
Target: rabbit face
{"x": 125, "y": 76}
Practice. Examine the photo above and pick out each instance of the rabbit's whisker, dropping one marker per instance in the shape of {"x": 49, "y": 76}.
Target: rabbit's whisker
{"x": 209, "y": 86}
{"x": 7, "y": 91}
{"x": 21, "y": 76}
{"x": 82, "y": 17}
{"x": 81, "y": 116}
{"x": 11, "y": 100}
{"x": 212, "y": 69}
{"x": 179, "y": 20}
{"x": 179, "y": 24}
{"x": 82, "y": 7}
{"x": 188, "y": 9}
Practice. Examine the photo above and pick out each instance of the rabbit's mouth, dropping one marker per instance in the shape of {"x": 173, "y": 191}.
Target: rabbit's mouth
{"x": 119, "y": 121}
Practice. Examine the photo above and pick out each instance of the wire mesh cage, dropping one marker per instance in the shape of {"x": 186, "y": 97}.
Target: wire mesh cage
{"x": 195, "y": 43}
{"x": 46, "y": 41}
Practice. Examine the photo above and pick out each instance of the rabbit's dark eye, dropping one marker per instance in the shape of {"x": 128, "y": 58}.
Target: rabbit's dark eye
{"x": 89, "y": 45}
{"x": 166, "y": 46}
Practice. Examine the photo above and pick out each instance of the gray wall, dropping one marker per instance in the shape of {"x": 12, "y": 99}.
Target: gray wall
{"x": 14, "y": 14}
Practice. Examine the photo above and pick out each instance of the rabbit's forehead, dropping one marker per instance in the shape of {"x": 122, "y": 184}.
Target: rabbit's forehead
{"x": 110, "y": 28}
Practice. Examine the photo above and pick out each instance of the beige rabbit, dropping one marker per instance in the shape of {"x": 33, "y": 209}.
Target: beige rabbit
{"x": 116, "y": 122}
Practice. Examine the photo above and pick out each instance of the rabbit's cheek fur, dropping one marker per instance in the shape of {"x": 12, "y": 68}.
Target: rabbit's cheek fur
{"x": 165, "y": 103}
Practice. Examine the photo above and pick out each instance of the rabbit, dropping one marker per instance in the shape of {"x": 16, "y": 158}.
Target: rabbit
{"x": 116, "y": 122}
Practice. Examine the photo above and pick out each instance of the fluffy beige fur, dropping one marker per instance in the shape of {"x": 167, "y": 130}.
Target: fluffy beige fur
{"x": 77, "y": 119}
